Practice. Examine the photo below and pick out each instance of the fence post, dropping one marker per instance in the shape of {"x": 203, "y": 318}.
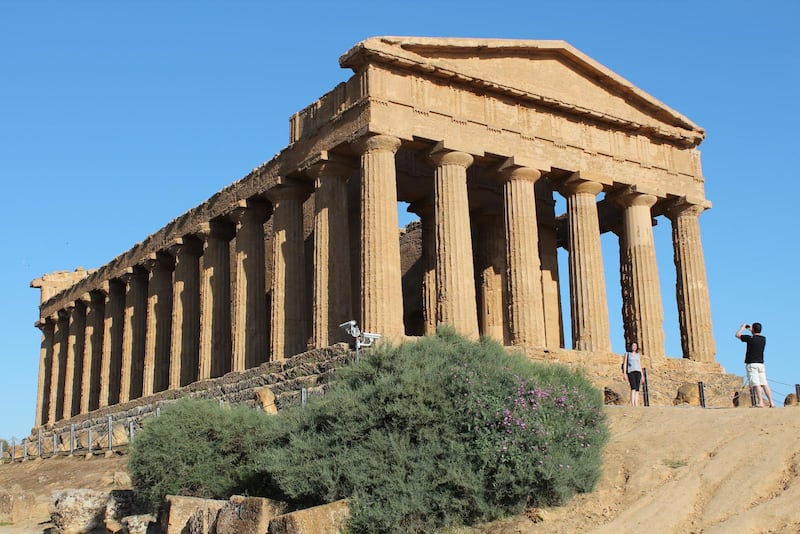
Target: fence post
{"x": 39, "y": 443}
{"x": 25, "y": 449}
{"x": 55, "y": 443}
{"x": 72, "y": 439}
{"x": 90, "y": 440}
{"x": 130, "y": 431}
{"x": 646, "y": 387}
{"x": 701, "y": 389}
{"x": 797, "y": 392}
{"x": 2, "y": 451}
{"x": 13, "y": 449}
{"x": 110, "y": 434}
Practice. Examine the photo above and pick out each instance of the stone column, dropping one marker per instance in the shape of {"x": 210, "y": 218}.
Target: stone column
{"x": 694, "y": 305}
{"x": 455, "y": 277}
{"x": 74, "y": 363}
{"x": 289, "y": 319}
{"x": 424, "y": 209}
{"x": 548, "y": 254}
{"x": 626, "y": 287}
{"x": 57, "y": 372}
{"x": 215, "y": 299}
{"x": 332, "y": 292}
{"x": 381, "y": 292}
{"x": 184, "y": 356}
{"x": 526, "y": 305}
{"x": 45, "y": 371}
{"x": 111, "y": 368}
{"x": 133, "y": 334}
{"x": 589, "y": 307}
{"x": 250, "y": 297}
{"x": 490, "y": 252}
{"x": 92, "y": 350}
{"x": 159, "y": 267}
{"x": 640, "y": 254}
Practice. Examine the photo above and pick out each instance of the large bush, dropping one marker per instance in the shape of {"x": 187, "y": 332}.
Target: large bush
{"x": 436, "y": 432}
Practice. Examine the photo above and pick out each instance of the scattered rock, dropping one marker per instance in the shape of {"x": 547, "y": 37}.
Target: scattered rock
{"x": 689, "y": 394}
{"x": 266, "y": 398}
{"x": 178, "y": 510}
{"x": 79, "y": 511}
{"x": 616, "y": 394}
{"x": 790, "y": 400}
{"x": 14, "y": 505}
{"x": 325, "y": 519}
{"x": 248, "y": 514}
{"x": 139, "y": 524}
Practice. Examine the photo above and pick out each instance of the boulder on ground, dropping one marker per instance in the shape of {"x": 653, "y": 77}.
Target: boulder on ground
{"x": 79, "y": 511}
{"x": 790, "y": 400}
{"x": 617, "y": 394}
{"x": 15, "y": 505}
{"x": 248, "y": 514}
{"x": 325, "y": 519}
{"x": 120, "y": 504}
{"x": 266, "y": 399}
{"x": 689, "y": 394}
{"x": 140, "y": 524}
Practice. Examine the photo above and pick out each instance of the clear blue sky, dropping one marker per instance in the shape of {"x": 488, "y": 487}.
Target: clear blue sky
{"x": 116, "y": 117}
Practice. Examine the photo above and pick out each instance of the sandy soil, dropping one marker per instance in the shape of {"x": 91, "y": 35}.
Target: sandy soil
{"x": 666, "y": 470}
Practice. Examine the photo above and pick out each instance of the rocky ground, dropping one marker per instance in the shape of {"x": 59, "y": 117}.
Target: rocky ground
{"x": 667, "y": 470}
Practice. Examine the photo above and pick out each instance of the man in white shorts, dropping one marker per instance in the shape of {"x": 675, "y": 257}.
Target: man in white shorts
{"x": 754, "y": 362}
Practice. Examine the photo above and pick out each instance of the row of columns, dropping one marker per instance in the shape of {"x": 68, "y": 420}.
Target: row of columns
{"x": 180, "y": 317}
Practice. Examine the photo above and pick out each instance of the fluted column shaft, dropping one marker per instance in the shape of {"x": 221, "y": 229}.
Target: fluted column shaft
{"x": 526, "y": 305}
{"x": 215, "y": 300}
{"x": 57, "y": 374}
{"x": 626, "y": 290}
{"x": 250, "y": 297}
{"x": 589, "y": 308}
{"x": 694, "y": 305}
{"x": 455, "y": 276}
{"x": 185, "y": 339}
{"x": 548, "y": 254}
{"x": 381, "y": 291}
{"x": 332, "y": 292}
{"x": 133, "y": 334}
{"x": 157, "y": 332}
{"x": 424, "y": 209}
{"x": 45, "y": 371}
{"x": 640, "y": 252}
{"x": 111, "y": 368}
{"x": 92, "y": 350}
{"x": 490, "y": 251}
{"x": 73, "y": 369}
{"x": 289, "y": 320}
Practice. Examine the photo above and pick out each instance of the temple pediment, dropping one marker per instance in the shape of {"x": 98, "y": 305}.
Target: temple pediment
{"x": 553, "y": 74}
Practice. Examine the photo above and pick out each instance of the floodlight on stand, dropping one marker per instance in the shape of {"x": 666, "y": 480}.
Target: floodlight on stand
{"x": 362, "y": 339}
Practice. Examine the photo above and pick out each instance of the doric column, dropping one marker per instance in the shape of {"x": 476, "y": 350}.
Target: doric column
{"x": 45, "y": 371}
{"x": 159, "y": 268}
{"x": 185, "y": 323}
{"x": 548, "y": 254}
{"x": 111, "y": 367}
{"x": 332, "y": 292}
{"x": 74, "y": 365}
{"x": 133, "y": 334}
{"x": 626, "y": 286}
{"x": 215, "y": 299}
{"x": 694, "y": 305}
{"x": 490, "y": 253}
{"x": 588, "y": 304}
{"x": 424, "y": 209}
{"x": 381, "y": 292}
{"x": 92, "y": 350}
{"x": 526, "y": 306}
{"x": 289, "y": 321}
{"x": 61, "y": 335}
{"x": 455, "y": 275}
{"x": 250, "y": 297}
{"x": 640, "y": 256}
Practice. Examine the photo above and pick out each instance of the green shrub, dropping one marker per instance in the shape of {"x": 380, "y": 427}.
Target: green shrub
{"x": 195, "y": 448}
{"x": 438, "y": 432}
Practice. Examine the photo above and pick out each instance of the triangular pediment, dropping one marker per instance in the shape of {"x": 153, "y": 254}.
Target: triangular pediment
{"x": 551, "y": 72}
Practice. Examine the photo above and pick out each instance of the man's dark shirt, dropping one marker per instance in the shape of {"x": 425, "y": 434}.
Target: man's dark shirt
{"x": 755, "y": 348}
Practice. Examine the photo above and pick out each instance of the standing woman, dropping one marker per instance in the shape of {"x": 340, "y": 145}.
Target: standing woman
{"x": 632, "y": 371}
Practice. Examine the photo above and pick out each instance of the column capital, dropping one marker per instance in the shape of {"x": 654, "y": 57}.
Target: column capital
{"x": 422, "y": 207}
{"x": 630, "y": 198}
{"x": 132, "y": 273}
{"x": 439, "y": 157}
{"x": 331, "y": 166}
{"x": 185, "y": 245}
{"x": 576, "y": 184}
{"x": 253, "y": 207}
{"x": 158, "y": 261}
{"x": 515, "y": 172}
{"x": 372, "y": 143}
{"x": 215, "y": 228}
{"x": 685, "y": 207}
{"x": 287, "y": 192}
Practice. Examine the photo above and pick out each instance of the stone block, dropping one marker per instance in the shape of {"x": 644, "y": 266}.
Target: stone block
{"x": 266, "y": 399}
{"x": 248, "y": 514}
{"x": 325, "y": 519}
{"x": 15, "y": 505}
{"x": 78, "y": 511}
{"x": 120, "y": 504}
{"x": 139, "y": 524}
{"x": 790, "y": 400}
{"x": 179, "y": 509}
{"x": 617, "y": 394}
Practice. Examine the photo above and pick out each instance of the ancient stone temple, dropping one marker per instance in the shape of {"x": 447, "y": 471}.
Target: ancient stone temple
{"x": 479, "y": 137}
